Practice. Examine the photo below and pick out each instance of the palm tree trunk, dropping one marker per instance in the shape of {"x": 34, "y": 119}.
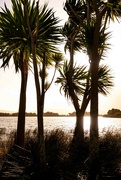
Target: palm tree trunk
{"x": 39, "y": 109}
{"x": 41, "y": 145}
{"x": 79, "y": 127}
{"x": 20, "y": 137}
{"x": 94, "y": 168}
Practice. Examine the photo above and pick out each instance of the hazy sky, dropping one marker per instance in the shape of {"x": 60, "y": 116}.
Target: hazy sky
{"x": 54, "y": 101}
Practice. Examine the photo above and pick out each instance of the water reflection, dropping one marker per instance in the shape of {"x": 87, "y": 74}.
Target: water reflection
{"x": 66, "y": 123}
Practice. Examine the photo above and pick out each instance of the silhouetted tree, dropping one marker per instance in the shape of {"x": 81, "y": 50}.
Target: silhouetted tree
{"x": 44, "y": 36}
{"x": 92, "y": 15}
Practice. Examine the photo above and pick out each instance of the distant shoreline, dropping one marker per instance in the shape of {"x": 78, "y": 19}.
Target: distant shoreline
{"x": 46, "y": 114}
{"x": 52, "y": 114}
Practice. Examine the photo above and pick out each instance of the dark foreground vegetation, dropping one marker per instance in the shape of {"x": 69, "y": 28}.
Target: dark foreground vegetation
{"x": 64, "y": 160}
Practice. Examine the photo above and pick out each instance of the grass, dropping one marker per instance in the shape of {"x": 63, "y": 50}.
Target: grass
{"x": 5, "y": 142}
{"x": 63, "y": 161}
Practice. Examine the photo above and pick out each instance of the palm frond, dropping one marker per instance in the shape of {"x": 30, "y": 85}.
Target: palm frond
{"x": 79, "y": 75}
{"x": 105, "y": 80}
{"x": 86, "y": 39}
{"x": 113, "y": 9}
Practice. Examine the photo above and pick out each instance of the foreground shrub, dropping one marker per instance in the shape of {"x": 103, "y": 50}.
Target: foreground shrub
{"x": 66, "y": 159}
{"x": 110, "y": 153}
{"x": 6, "y": 142}
{"x": 56, "y": 151}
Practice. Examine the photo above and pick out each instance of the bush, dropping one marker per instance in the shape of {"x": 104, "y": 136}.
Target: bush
{"x": 110, "y": 153}
{"x": 65, "y": 158}
{"x": 6, "y": 142}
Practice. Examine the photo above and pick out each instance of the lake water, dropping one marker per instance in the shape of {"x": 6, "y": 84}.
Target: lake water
{"x": 65, "y": 123}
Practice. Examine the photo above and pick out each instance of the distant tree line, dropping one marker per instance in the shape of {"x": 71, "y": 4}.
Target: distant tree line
{"x": 4, "y": 114}
{"x": 16, "y": 114}
{"x": 48, "y": 113}
{"x": 29, "y": 114}
{"x": 113, "y": 113}
{"x": 74, "y": 114}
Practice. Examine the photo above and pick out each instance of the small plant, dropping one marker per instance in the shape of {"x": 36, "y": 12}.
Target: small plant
{"x": 6, "y": 142}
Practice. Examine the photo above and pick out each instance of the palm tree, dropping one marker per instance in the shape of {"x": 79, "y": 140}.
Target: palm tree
{"x": 71, "y": 33}
{"x": 82, "y": 90}
{"x": 81, "y": 40}
{"x": 13, "y": 44}
{"x": 16, "y": 43}
{"x": 43, "y": 37}
{"x": 102, "y": 13}
{"x": 97, "y": 13}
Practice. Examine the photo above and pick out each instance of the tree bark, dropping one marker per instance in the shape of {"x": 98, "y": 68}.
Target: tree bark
{"x": 20, "y": 136}
{"x": 79, "y": 127}
{"x": 39, "y": 107}
{"x": 94, "y": 167}
{"x": 94, "y": 164}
